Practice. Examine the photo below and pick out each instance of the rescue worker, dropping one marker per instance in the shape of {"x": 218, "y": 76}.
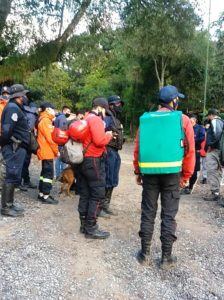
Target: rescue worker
{"x": 30, "y": 110}
{"x": 15, "y": 140}
{"x": 199, "y": 137}
{"x": 61, "y": 122}
{"x": 213, "y": 165}
{"x": 113, "y": 160}
{"x": 164, "y": 184}
{"x": 92, "y": 170}
{"x": 47, "y": 152}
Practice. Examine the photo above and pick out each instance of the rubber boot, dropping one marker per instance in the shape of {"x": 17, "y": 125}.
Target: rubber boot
{"x": 143, "y": 255}
{"x": 93, "y": 232}
{"x": 168, "y": 261}
{"x": 82, "y": 223}
{"x": 8, "y": 207}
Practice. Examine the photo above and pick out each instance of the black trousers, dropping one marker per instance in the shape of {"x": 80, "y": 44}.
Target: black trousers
{"x": 197, "y": 168}
{"x": 25, "y": 171}
{"x": 167, "y": 186}
{"x": 46, "y": 176}
{"x": 92, "y": 182}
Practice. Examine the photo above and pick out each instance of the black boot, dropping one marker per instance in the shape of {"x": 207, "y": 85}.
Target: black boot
{"x": 92, "y": 231}
{"x": 8, "y": 207}
{"x": 82, "y": 223}
{"x": 168, "y": 261}
{"x": 106, "y": 205}
{"x": 143, "y": 255}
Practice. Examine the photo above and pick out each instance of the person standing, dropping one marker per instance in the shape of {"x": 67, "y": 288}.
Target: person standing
{"x": 113, "y": 160}
{"x": 213, "y": 165}
{"x": 30, "y": 111}
{"x": 92, "y": 177}
{"x": 199, "y": 137}
{"x": 15, "y": 140}
{"x": 61, "y": 122}
{"x": 162, "y": 166}
{"x": 47, "y": 152}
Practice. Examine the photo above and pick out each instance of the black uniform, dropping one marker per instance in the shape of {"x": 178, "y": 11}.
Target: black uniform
{"x": 15, "y": 140}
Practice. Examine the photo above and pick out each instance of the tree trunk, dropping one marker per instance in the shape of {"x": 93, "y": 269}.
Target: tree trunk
{"x": 16, "y": 68}
{"x": 5, "y": 7}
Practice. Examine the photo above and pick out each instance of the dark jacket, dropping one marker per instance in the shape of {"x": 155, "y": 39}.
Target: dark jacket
{"x": 31, "y": 114}
{"x": 61, "y": 122}
{"x": 199, "y": 136}
{"x": 14, "y": 124}
{"x": 113, "y": 124}
{"x": 214, "y": 133}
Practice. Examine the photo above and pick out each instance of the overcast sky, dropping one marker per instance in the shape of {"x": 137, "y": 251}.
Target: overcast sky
{"x": 217, "y": 7}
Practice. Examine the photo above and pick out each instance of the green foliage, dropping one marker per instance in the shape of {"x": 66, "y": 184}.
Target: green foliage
{"x": 53, "y": 83}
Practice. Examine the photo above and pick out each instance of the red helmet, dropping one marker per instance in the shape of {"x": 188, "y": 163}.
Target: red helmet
{"x": 78, "y": 130}
{"x": 59, "y": 136}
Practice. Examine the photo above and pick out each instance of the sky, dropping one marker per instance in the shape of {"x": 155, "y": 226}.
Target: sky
{"x": 217, "y": 7}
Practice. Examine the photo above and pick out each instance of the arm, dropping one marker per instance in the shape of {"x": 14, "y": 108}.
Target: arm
{"x": 136, "y": 152}
{"x": 46, "y": 129}
{"x": 9, "y": 122}
{"x": 189, "y": 156}
{"x": 99, "y": 137}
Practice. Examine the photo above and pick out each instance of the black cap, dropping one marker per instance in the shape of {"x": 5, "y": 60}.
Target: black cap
{"x": 115, "y": 99}
{"x": 45, "y": 105}
{"x": 17, "y": 90}
{"x": 5, "y": 89}
{"x": 102, "y": 102}
{"x": 213, "y": 111}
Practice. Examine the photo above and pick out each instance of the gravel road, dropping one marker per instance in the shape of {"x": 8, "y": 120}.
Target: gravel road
{"x": 43, "y": 255}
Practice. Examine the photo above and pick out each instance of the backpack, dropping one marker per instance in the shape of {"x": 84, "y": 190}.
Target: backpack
{"x": 161, "y": 148}
{"x": 72, "y": 153}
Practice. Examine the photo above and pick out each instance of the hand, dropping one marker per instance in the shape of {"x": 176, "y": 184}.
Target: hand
{"x": 138, "y": 179}
{"x": 110, "y": 133}
{"x": 183, "y": 182}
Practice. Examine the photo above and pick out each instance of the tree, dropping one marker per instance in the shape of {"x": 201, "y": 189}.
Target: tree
{"x": 15, "y": 64}
{"x": 161, "y": 30}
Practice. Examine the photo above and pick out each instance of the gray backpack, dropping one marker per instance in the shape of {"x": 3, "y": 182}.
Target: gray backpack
{"x": 72, "y": 153}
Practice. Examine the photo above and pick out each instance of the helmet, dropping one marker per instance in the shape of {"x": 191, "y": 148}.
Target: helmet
{"x": 59, "y": 136}
{"x": 115, "y": 99}
{"x": 78, "y": 130}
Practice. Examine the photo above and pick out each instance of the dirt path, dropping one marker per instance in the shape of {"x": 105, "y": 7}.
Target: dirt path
{"x": 43, "y": 255}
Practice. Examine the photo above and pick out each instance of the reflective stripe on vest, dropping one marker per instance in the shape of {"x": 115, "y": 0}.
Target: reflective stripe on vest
{"x": 160, "y": 164}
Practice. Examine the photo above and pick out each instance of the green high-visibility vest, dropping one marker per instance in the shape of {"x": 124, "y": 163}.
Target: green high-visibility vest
{"x": 161, "y": 137}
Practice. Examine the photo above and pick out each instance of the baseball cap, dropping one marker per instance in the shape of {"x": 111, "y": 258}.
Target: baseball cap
{"x": 17, "y": 90}
{"x": 168, "y": 93}
{"x": 213, "y": 111}
{"x": 102, "y": 102}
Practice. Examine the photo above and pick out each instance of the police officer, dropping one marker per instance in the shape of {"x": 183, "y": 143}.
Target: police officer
{"x": 113, "y": 160}
{"x": 31, "y": 112}
{"x": 15, "y": 140}
{"x": 164, "y": 184}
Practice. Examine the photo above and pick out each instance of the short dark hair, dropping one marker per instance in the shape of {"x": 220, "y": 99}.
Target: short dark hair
{"x": 193, "y": 116}
{"x": 65, "y": 107}
{"x": 80, "y": 111}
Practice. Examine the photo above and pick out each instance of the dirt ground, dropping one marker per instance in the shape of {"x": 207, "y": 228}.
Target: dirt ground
{"x": 43, "y": 255}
